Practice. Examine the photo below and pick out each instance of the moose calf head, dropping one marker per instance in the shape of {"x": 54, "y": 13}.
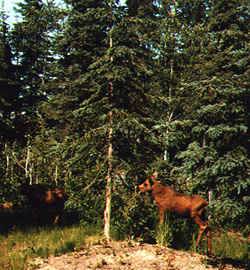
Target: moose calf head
{"x": 147, "y": 185}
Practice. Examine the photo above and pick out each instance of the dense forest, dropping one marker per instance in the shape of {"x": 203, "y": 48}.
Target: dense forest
{"x": 97, "y": 94}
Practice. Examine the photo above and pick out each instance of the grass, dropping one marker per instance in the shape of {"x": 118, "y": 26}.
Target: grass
{"x": 231, "y": 246}
{"x": 226, "y": 247}
{"x": 21, "y": 245}
{"x": 164, "y": 234}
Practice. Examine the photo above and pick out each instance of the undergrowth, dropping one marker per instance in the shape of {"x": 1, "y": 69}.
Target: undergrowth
{"x": 231, "y": 246}
{"x": 21, "y": 245}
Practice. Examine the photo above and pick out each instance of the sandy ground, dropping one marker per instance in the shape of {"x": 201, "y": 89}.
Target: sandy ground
{"x": 129, "y": 256}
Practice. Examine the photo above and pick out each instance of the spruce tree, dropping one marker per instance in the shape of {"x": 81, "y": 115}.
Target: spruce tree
{"x": 11, "y": 121}
{"x": 31, "y": 41}
{"x": 102, "y": 96}
{"x": 214, "y": 122}
{"x": 9, "y": 85}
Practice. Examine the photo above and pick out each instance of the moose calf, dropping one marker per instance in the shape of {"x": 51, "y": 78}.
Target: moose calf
{"x": 43, "y": 199}
{"x": 167, "y": 199}
{"x": 7, "y": 207}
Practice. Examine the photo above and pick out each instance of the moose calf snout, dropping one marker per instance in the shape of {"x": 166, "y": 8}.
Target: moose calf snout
{"x": 146, "y": 186}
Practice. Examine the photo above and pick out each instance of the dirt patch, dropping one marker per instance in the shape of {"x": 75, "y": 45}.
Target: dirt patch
{"x": 128, "y": 256}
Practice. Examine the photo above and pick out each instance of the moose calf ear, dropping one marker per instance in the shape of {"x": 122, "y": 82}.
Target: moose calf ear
{"x": 154, "y": 176}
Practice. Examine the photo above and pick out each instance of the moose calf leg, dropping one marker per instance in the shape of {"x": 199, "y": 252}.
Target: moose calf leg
{"x": 161, "y": 216}
{"x": 208, "y": 240}
{"x": 56, "y": 219}
{"x": 202, "y": 227}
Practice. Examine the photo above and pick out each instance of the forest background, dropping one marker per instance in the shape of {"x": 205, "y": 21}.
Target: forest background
{"x": 95, "y": 95}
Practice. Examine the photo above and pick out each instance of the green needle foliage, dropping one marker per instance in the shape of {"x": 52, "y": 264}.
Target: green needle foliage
{"x": 165, "y": 83}
{"x": 9, "y": 85}
{"x": 210, "y": 137}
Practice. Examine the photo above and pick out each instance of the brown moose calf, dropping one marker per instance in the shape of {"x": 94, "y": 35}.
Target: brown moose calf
{"x": 7, "y": 207}
{"x": 45, "y": 201}
{"x": 167, "y": 199}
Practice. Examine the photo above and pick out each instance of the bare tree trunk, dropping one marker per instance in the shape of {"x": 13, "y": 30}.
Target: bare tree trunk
{"x": 27, "y": 161}
{"x": 28, "y": 164}
{"x": 56, "y": 174}
{"x": 171, "y": 75}
{"x": 107, "y": 211}
{"x": 7, "y": 159}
